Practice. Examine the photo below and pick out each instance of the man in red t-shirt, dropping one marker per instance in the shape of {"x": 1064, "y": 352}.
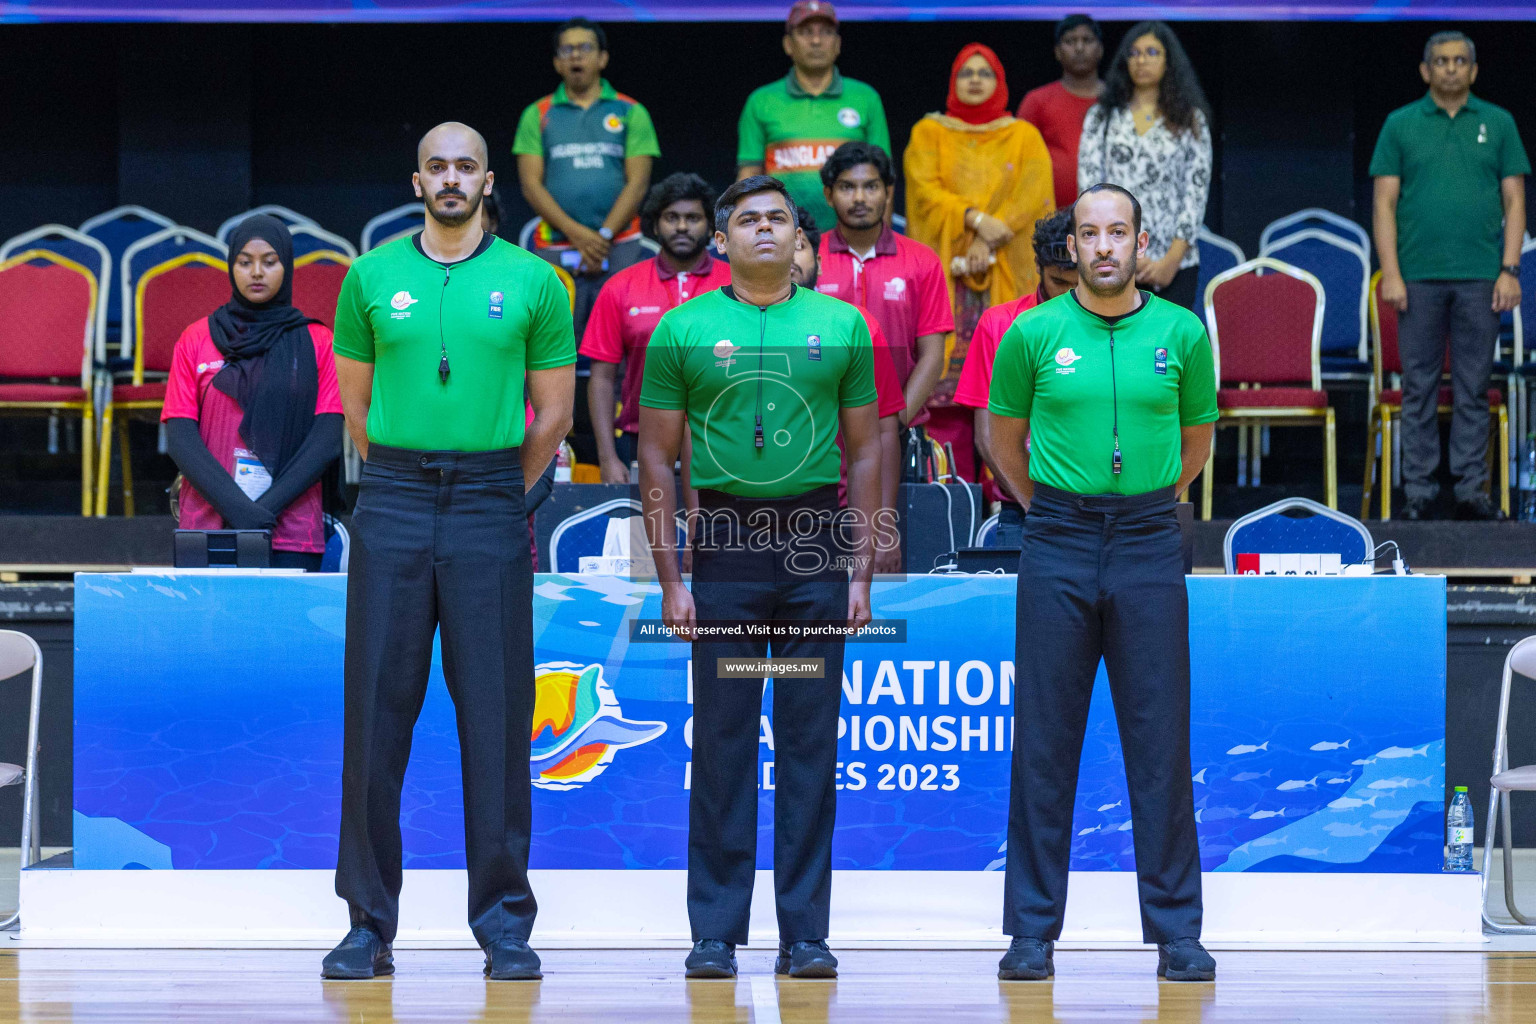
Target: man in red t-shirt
{"x": 1058, "y": 109}
{"x": 889, "y": 399}
{"x": 678, "y": 212}
{"x": 1058, "y": 275}
{"x": 897, "y": 279}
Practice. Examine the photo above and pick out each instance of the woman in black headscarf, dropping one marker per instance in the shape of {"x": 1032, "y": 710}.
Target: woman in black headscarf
{"x": 252, "y": 412}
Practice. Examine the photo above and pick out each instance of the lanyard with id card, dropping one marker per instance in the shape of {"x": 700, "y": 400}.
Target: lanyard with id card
{"x": 251, "y": 476}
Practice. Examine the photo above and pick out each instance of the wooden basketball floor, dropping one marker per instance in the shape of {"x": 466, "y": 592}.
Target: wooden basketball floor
{"x": 877, "y": 987}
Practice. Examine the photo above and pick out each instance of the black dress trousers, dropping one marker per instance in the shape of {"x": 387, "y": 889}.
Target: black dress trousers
{"x": 439, "y": 542}
{"x": 791, "y": 579}
{"x": 1102, "y": 577}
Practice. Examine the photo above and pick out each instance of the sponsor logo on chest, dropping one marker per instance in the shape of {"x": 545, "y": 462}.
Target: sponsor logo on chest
{"x": 895, "y": 289}
{"x": 813, "y": 347}
{"x": 724, "y": 350}
{"x": 1160, "y": 361}
{"x": 493, "y": 312}
{"x": 402, "y": 303}
{"x": 643, "y": 310}
{"x": 1065, "y": 357}
{"x": 213, "y": 366}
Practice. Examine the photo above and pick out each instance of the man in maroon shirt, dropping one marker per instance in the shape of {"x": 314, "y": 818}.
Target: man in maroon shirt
{"x": 1058, "y": 109}
{"x": 897, "y": 279}
{"x": 678, "y": 212}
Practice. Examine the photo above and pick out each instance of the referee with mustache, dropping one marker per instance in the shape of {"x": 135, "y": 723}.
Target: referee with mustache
{"x": 1116, "y": 389}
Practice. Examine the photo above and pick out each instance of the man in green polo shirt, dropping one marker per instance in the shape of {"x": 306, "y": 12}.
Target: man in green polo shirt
{"x": 1450, "y": 217}
{"x": 764, "y": 374}
{"x": 788, "y": 128}
{"x": 435, "y": 335}
{"x": 1116, "y": 391}
{"x": 584, "y": 156}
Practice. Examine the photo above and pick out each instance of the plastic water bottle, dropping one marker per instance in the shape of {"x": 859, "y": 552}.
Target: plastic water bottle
{"x": 1528, "y": 482}
{"x": 565, "y": 458}
{"x": 1458, "y": 832}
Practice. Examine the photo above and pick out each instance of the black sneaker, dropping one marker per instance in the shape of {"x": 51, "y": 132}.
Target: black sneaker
{"x": 806, "y": 959}
{"x": 511, "y": 960}
{"x": 1417, "y": 509}
{"x": 1482, "y": 508}
{"x": 1027, "y": 959}
{"x": 1185, "y": 960}
{"x": 711, "y": 958}
{"x": 362, "y": 954}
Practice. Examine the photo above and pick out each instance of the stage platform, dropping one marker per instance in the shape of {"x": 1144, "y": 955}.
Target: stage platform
{"x": 647, "y": 987}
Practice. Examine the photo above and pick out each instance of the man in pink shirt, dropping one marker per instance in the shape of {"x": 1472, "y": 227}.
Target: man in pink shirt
{"x": 897, "y": 279}
{"x": 1058, "y": 109}
{"x": 889, "y": 399}
{"x": 1058, "y": 275}
{"x": 678, "y": 212}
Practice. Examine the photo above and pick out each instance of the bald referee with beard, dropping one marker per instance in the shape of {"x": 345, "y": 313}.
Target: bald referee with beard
{"x": 434, "y": 337}
{"x": 1116, "y": 390}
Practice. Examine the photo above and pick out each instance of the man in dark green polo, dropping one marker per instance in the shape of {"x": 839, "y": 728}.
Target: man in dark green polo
{"x": 1450, "y": 217}
{"x": 763, "y": 373}
{"x": 435, "y": 335}
{"x": 1115, "y": 389}
{"x": 788, "y": 128}
{"x": 584, "y": 156}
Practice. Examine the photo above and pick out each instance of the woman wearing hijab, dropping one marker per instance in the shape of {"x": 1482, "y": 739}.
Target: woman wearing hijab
{"x": 977, "y": 180}
{"x": 252, "y": 412}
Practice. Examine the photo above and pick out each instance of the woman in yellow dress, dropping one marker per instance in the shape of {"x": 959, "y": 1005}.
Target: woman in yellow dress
{"x": 977, "y": 180}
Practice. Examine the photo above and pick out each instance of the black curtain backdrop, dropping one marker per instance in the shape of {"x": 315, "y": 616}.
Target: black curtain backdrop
{"x": 203, "y": 121}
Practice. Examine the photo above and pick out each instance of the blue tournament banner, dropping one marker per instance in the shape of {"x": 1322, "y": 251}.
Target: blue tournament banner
{"x": 208, "y": 729}
{"x": 23, "y": 11}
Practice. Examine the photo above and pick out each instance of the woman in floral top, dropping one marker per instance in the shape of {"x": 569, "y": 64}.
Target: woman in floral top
{"x": 1150, "y": 133}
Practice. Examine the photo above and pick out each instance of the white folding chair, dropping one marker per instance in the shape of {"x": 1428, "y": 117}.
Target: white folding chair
{"x": 1505, "y": 782}
{"x": 18, "y": 653}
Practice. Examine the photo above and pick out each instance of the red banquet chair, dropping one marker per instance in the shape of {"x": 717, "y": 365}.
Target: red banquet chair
{"x": 1388, "y": 407}
{"x": 167, "y": 298}
{"x": 1265, "y": 332}
{"x": 317, "y": 278}
{"x": 48, "y": 334}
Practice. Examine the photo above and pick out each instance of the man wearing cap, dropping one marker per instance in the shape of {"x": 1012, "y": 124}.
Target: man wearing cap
{"x": 764, "y": 374}
{"x": 1058, "y": 108}
{"x": 788, "y": 128}
{"x": 435, "y": 335}
{"x": 1115, "y": 388}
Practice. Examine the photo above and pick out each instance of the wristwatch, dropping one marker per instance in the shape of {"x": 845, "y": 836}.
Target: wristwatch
{"x": 1513, "y": 268}
{"x": 606, "y": 233}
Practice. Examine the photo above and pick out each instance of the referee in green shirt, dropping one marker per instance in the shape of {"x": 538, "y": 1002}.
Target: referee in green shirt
{"x": 435, "y": 335}
{"x": 1116, "y": 391}
{"x": 763, "y": 373}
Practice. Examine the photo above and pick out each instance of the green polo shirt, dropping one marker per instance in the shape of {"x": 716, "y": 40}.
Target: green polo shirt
{"x": 584, "y": 149}
{"x": 1450, "y": 217}
{"x": 499, "y": 313}
{"x": 791, "y": 133}
{"x": 795, "y": 363}
{"x": 1073, "y": 374}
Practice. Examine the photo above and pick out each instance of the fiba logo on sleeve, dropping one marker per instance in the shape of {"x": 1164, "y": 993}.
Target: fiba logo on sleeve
{"x": 402, "y": 303}
{"x": 1065, "y": 357}
{"x": 494, "y": 312}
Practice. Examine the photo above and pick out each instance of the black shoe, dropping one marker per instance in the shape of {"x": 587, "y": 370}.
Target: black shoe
{"x": 1480, "y": 507}
{"x": 1417, "y": 509}
{"x": 1185, "y": 960}
{"x": 1027, "y": 959}
{"x": 511, "y": 960}
{"x": 362, "y": 954}
{"x": 711, "y": 958}
{"x": 807, "y": 959}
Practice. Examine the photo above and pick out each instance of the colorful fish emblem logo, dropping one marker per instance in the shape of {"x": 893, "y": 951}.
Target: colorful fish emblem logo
{"x": 577, "y": 725}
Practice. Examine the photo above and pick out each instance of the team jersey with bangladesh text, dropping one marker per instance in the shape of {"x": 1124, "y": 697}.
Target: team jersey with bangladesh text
{"x": 584, "y": 151}
{"x": 762, "y": 387}
{"x": 498, "y": 313}
{"x": 1083, "y": 381}
{"x": 791, "y": 133}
